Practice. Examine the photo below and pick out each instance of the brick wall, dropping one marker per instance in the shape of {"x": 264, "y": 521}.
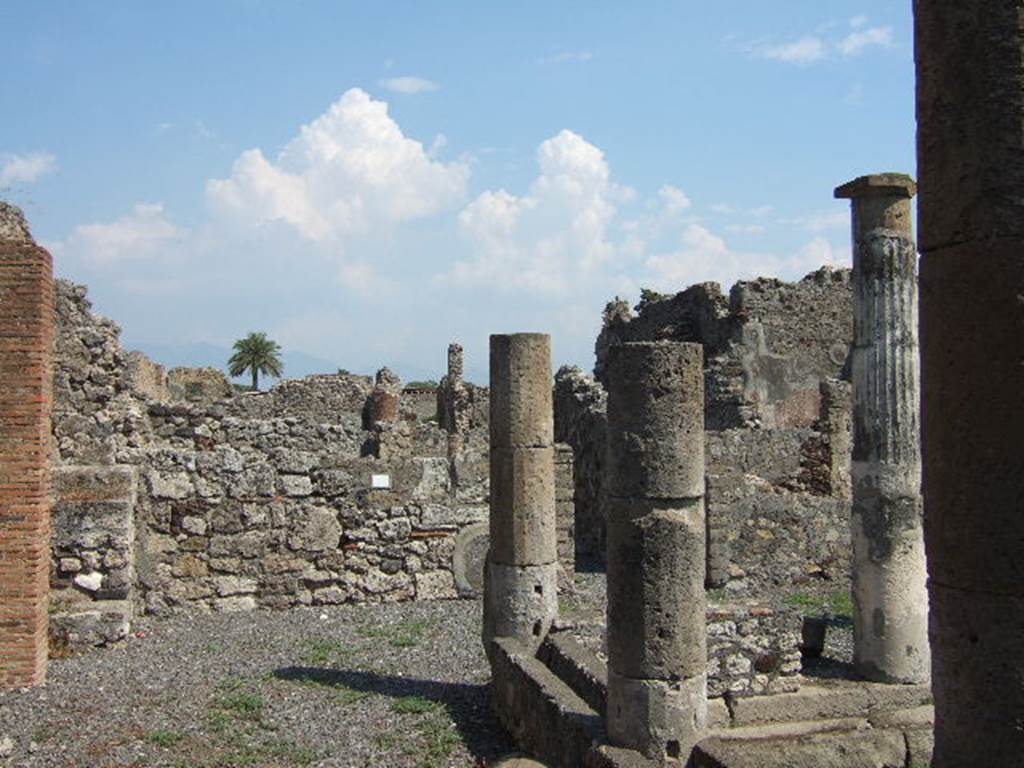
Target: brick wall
{"x": 26, "y": 358}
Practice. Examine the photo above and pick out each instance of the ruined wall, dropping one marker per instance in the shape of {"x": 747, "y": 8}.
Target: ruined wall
{"x": 580, "y": 422}
{"x": 777, "y": 419}
{"x": 198, "y": 384}
{"x": 766, "y": 348}
{"x": 269, "y": 499}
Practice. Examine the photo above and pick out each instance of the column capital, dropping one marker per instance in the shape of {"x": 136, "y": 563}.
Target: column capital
{"x": 878, "y": 185}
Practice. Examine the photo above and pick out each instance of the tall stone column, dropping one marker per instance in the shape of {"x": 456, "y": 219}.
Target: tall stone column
{"x": 521, "y": 589}
{"x": 26, "y": 392}
{"x": 970, "y": 150}
{"x": 890, "y": 596}
{"x": 657, "y": 635}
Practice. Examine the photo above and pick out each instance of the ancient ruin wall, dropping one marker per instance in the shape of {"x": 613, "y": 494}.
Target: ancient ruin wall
{"x": 777, "y": 417}
{"x": 264, "y": 499}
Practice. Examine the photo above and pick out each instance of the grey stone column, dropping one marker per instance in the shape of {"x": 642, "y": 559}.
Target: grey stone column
{"x": 890, "y": 596}
{"x": 970, "y": 150}
{"x": 657, "y": 635}
{"x": 521, "y": 575}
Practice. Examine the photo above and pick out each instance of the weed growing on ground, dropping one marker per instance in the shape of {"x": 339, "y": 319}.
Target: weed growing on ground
{"x": 164, "y": 737}
{"x": 414, "y": 705}
{"x": 324, "y": 651}
{"x": 838, "y": 603}
{"x": 404, "y": 634}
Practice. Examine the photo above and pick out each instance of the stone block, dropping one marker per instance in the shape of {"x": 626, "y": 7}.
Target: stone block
{"x": 656, "y": 420}
{"x": 523, "y": 526}
{"x": 520, "y": 602}
{"x": 94, "y": 483}
{"x": 169, "y": 485}
{"x": 659, "y": 719}
{"x": 851, "y": 749}
{"x": 295, "y": 485}
{"x": 656, "y": 604}
{"x": 435, "y": 585}
{"x": 315, "y": 529}
{"x": 541, "y": 712}
{"x": 521, "y": 412}
{"x": 101, "y": 623}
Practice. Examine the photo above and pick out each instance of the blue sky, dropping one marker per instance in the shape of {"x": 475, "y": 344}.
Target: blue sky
{"x": 368, "y": 181}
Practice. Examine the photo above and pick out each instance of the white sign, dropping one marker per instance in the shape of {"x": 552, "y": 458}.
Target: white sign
{"x": 380, "y": 481}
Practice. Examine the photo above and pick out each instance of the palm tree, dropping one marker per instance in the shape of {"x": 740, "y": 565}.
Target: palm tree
{"x": 258, "y": 354}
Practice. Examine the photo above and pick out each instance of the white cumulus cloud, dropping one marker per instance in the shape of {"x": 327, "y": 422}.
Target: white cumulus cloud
{"x": 409, "y": 84}
{"x": 703, "y": 255}
{"x": 27, "y": 168}
{"x": 346, "y": 171}
{"x": 558, "y": 229}
{"x": 673, "y": 199}
{"x": 141, "y": 235}
{"x": 806, "y": 50}
{"x": 855, "y": 43}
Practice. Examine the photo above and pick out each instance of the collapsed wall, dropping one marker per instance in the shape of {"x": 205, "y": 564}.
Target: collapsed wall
{"x": 170, "y": 496}
{"x": 777, "y": 414}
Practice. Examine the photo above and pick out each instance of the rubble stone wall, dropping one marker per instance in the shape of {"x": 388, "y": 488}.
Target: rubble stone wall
{"x": 267, "y": 499}
{"x": 777, "y": 416}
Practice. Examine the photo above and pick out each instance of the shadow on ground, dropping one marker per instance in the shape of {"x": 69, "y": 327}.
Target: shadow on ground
{"x": 467, "y": 705}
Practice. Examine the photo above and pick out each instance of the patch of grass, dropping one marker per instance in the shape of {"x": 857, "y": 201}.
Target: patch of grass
{"x": 243, "y": 703}
{"x": 414, "y": 705}
{"x": 214, "y": 646}
{"x": 439, "y": 739}
{"x": 404, "y": 634}
{"x": 837, "y": 603}
{"x": 346, "y": 697}
{"x": 164, "y": 737}
{"x": 323, "y": 651}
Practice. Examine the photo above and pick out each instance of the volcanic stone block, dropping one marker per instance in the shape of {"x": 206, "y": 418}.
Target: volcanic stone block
{"x": 656, "y": 420}
{"x": 656, "y": 606}
{"x": 659, "y": 718}
{"x": 520, "y": 398}
{"x": 523, "y": 530}
{"x": 519, "y": 602}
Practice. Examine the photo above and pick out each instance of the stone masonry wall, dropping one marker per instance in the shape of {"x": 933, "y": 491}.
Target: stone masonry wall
{"x": 269, "y": 499}
{"x": 777, "y": 417}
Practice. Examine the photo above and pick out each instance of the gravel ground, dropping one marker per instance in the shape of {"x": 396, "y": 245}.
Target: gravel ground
{"x": 399, "y": 685}
{"x": 396, "y": 685}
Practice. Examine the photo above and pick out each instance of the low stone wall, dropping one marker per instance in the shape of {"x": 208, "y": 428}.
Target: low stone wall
{"x": 752, "y": 650}
{"x": 242, "y": 513}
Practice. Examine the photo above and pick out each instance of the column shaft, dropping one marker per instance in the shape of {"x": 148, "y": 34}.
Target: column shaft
{"x": 970, "y": 147}
{"x": 521, "y": 589}
{"x": 889, "y": 591}
{"x": 657, "y": 638}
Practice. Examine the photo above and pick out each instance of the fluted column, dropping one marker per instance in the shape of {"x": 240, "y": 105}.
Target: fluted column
{"x": 890, "y": 627}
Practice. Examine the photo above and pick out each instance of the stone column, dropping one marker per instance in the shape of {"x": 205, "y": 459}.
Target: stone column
{"x": 970, "y": 150}
{"x": 657, "y": 635}
{"x": 890, "y": 597}
{"x": 521, "y": 589}
{"x": 453, "y": 401}
{"x": 26, "y": 392}
{"x": 385, "y": 399}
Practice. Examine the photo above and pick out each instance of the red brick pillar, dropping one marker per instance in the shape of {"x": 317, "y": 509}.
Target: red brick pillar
{"x": 26, "y": 381}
